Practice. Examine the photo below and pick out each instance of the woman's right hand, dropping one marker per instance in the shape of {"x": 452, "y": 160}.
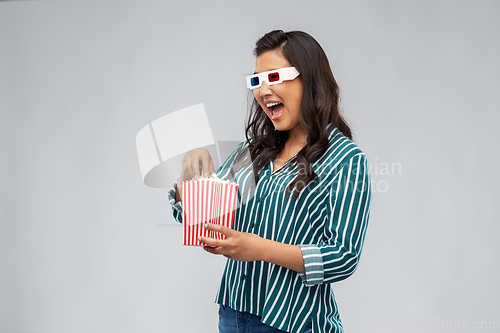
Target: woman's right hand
{"x": 196, "y": 162}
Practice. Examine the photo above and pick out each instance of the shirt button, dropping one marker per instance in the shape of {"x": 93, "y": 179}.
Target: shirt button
{"x": 258, "y": 199}
{"x": 252, "y": 225}
{"x": 243, "y": 277}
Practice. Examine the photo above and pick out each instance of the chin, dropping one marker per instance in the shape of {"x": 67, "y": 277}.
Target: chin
{"x": 281, "y": 125}
{"x": 280, "y": 128}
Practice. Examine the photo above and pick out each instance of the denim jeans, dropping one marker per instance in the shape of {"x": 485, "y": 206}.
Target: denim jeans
{"x": 231, "y": 321}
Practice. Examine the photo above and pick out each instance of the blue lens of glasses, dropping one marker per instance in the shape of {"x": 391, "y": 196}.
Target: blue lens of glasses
{"x": 254, "y": 81}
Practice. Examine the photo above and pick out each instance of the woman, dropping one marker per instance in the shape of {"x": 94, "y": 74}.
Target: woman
{"x": 304, "y": 198}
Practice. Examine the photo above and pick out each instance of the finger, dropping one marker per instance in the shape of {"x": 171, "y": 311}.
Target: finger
{"x": 209, "y": 241}
{"x": 217, "y": 227}
{"x": 195, "y": 165}
{"x": 186, "y": 166}
{"x": 201, "y": 169}
{"x": 207, "y": 164}
{"x": 212, "y": 249}
{"x": 208, "y": 248}
{"x": 211, "y": 167}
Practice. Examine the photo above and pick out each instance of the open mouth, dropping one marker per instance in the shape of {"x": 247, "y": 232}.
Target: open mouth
{"x": 276, "y": 110}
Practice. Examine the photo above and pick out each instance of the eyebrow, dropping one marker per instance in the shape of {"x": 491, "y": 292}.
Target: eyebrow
{"x": 274, "y": 69}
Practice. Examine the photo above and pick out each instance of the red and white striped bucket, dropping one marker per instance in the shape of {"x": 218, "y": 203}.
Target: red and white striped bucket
{"x": 207, "y": 200}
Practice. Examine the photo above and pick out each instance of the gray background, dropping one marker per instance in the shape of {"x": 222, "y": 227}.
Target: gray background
{"x": 85, "y": 246}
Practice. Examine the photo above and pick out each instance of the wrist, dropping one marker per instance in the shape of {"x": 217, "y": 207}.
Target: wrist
{"x": 264, "y": 249}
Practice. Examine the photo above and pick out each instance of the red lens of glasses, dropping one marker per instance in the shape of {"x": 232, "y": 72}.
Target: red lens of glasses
{"x": 273, "y": 77}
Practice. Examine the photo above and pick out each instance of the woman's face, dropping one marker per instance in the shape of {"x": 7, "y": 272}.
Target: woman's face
{"x": 288, "y": 94}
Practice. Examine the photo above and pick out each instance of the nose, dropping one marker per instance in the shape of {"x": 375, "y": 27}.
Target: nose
{"x": 265, "y": 90}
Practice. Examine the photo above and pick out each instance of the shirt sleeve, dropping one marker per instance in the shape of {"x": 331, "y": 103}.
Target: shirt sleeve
{"x": 176, "y": 206}
{"x": 337, "y": 256}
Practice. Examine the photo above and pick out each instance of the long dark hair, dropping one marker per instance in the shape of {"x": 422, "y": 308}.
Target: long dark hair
{"x": 319, "y": 106}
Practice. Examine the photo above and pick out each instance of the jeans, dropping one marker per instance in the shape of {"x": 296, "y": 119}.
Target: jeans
{"x": 231, "y": 321}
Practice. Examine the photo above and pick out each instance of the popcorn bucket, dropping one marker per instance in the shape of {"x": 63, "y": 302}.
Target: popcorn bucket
{"x": 207, "y": 200}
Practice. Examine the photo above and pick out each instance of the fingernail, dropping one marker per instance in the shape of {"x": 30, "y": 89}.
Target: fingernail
{"x": 205, "y": 225}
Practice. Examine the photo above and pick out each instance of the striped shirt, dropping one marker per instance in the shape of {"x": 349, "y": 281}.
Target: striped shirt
{"x": 328, "y": 220}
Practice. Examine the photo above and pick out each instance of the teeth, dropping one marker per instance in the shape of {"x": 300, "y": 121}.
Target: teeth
{"x": 271, "y": 104}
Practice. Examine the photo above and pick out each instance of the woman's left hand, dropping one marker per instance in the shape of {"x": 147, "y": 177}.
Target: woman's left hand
{"x": 238, "y": 245}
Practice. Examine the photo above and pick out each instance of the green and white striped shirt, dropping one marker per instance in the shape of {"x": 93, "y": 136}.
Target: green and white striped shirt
{"x": 328, "y": 220}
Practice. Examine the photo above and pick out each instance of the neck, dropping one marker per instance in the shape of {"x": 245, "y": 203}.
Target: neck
{"x": 297, "y": 136}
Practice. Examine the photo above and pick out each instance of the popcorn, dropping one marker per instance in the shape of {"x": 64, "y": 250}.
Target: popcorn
{"x": 207, "y": 200}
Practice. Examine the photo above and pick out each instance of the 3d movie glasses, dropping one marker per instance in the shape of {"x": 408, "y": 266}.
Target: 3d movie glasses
{"x": 272, "y": 77}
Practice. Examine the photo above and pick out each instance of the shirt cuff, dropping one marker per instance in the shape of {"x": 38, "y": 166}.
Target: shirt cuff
{"x": 313, "y": 264}
{"x": 176, "y": 206}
